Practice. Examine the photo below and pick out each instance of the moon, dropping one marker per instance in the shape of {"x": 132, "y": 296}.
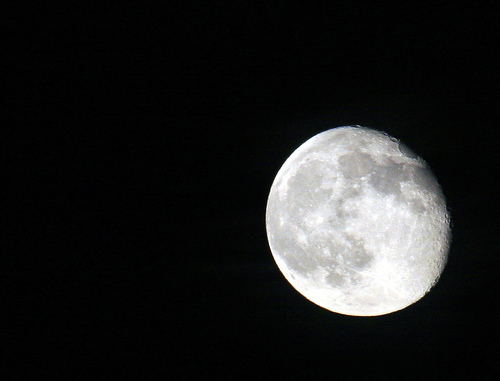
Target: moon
{"x": 357, "y": 222}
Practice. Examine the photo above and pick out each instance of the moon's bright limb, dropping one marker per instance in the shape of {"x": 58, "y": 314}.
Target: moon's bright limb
{"x": 357, "y": 223}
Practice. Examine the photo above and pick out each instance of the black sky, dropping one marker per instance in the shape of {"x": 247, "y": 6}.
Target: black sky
{"x": 143, "y": 140}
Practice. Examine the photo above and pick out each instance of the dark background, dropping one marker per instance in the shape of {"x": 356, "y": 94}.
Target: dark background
{"x": 143, "y": 140}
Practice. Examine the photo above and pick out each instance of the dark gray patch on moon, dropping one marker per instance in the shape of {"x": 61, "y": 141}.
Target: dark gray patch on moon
{"x": 424, "y": 179}
{"x": 357, "y": 256}
{"x": 356, "y": 164}
{"x": 335, "y": 278}
{"x": 350, "y": 191}
{"x": 296, "y": 259}
{"x": 417, "y": 206}
{"x": 387, "y": 179}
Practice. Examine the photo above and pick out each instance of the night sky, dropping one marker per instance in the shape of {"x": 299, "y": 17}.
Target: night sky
{"x": 143, "y": 140}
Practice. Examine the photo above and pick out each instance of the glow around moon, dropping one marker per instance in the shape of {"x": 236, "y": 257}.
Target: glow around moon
{"x": 357, "y": 223}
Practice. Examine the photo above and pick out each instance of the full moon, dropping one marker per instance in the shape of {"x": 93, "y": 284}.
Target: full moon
{"x": 357, "y": 222}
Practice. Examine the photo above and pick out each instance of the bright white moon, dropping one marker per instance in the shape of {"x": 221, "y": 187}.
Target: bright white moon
{"x": 357, "y": 223}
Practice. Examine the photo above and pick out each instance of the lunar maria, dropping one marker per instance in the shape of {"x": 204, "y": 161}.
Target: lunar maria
{"x": 357, "y": 223}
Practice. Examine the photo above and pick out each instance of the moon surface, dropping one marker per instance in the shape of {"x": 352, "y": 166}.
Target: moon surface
{"x": 357, "y": 223}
